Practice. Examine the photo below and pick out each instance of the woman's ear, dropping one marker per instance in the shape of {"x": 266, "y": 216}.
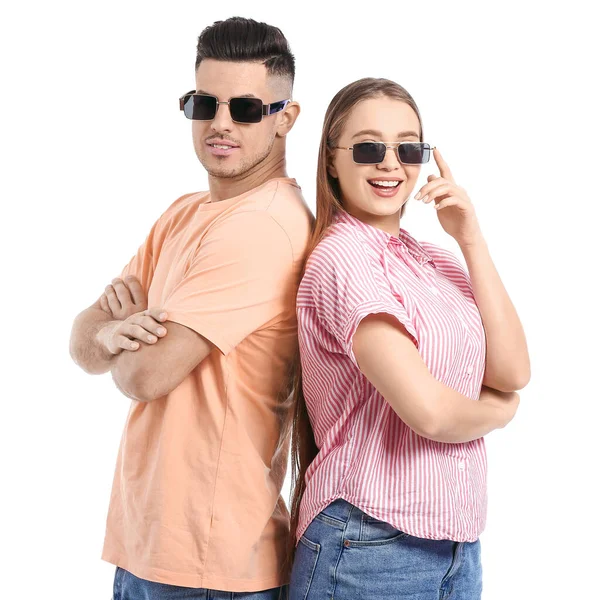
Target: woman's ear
{"x": 331, "y": 168}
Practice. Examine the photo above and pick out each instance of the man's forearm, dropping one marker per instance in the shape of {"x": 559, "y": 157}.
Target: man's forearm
{"x": 85, "y": 347}
{"x": 157, "y": 369}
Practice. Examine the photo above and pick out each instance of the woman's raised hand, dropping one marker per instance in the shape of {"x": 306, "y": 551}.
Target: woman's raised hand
{"x": 455, "y": 210}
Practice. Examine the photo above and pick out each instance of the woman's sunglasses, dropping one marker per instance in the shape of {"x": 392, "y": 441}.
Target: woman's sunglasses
{"x": 372, "y": 153}
{"x": 201, "y": 107}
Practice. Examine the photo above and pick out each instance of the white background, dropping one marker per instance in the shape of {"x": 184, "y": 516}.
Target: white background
{"x": 94, "y": 148}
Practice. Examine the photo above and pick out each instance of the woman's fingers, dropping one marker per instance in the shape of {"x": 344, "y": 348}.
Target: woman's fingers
{"x": 443, "y": 188}
{"x": 451, "y": 201}
{"x": 443, "y": 166}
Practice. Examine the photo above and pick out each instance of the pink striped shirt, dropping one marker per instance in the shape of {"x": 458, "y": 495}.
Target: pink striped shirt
{"x": 367, "y": 454}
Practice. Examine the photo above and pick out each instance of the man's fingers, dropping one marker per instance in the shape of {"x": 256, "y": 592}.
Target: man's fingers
{"x": 139, "y": 333}
{"x": 122, "y": 292}
{"x": 137, "y": 291}
{"x": 157, "y": 314}
{"x": 127, "y": 344}
{"x": 150, "y": 324}
{"x": 104, "y": 304}
{"x": 113, "y": 301}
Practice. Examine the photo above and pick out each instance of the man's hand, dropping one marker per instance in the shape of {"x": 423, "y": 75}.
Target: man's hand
{"x": 122, "y": 299}
{"x": 144, "y": 326}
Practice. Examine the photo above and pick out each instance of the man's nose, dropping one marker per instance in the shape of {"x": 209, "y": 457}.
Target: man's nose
{"x": 222, "y": 120}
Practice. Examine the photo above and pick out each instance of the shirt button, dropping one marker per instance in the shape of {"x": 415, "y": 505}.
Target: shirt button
{"x": 470, "y": 369}
{"x": 433, "y": 290}
{"x": 461, "y": 465}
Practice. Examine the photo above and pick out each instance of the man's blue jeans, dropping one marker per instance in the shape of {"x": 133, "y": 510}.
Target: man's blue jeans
{"x": 129, "y": 587}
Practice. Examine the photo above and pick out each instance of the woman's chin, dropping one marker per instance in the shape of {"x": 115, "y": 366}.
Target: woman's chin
{"x": 384, "y": 209}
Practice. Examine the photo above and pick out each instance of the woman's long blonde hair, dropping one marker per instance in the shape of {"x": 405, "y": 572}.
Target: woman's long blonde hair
{"x": 304, "y": 448}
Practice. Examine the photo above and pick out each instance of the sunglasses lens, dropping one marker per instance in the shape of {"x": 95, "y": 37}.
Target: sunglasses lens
{"x": 200, "y": 108}
{"x": 246, "y": 110}
{"x": 414, "y": 153}
{"x": 368, "y": 153}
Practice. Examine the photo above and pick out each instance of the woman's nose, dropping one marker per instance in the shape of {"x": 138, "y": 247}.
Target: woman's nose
{"x": 390, "y": 160}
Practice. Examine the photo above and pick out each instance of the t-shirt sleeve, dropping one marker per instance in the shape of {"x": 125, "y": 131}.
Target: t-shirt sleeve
{"x": 347, "y": 285}
{"x": 142, "y": 263}
{"x": 238, "y": 280}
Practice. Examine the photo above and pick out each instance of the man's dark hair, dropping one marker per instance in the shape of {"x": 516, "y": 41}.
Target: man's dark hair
{"x": 245, "y": 40}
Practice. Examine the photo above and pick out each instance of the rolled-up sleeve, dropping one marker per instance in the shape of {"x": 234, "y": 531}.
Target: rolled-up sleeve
{"x": 346, "y": 285}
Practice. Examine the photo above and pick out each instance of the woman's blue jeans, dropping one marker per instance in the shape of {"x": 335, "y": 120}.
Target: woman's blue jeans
{"x": 345, "y": 554}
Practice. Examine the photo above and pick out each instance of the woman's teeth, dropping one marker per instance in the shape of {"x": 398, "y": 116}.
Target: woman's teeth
{"x": 384, "y": 184}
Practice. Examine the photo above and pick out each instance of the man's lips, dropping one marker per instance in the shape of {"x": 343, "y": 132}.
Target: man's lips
{"x": 220, "y": 147}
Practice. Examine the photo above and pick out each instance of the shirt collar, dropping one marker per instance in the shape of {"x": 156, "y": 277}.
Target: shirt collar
{"x": 381, "y": 239}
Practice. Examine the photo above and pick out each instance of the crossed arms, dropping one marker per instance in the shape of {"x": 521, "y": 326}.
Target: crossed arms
{"x": 147, "y": 355}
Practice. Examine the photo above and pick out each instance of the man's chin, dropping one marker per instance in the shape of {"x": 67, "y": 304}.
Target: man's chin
{"x": 230, "y": 167}
{"x": 224, "y": 171}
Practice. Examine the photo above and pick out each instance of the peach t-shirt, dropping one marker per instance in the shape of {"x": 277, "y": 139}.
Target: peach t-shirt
{"x": 196, "y": 495}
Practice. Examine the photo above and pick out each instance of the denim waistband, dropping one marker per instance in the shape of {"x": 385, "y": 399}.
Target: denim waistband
{"x": 342, "y": 510}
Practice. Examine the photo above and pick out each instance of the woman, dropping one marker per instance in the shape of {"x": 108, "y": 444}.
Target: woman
{"x": 390, "y": 469}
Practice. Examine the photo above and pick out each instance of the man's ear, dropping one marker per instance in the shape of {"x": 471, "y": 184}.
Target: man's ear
{"x": 287, "y": 118}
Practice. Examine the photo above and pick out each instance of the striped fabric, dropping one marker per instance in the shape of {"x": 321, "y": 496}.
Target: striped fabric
{"x": 367, "y": 454}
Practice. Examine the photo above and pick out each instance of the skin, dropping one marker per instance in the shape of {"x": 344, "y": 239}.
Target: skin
{"x": 427, "y": 406}
{"x": 261, "y": 152}
{"x": 148, "y": 355}
{"x": 394, "y": 121}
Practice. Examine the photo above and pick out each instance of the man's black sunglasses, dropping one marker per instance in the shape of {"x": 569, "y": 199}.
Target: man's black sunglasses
{"x": 202, "y": 107}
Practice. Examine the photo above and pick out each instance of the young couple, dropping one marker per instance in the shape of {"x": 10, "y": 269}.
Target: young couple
{"x": 407, "y": 360}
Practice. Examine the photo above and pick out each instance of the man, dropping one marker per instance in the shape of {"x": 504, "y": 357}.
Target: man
{"x": 196, "y": 497}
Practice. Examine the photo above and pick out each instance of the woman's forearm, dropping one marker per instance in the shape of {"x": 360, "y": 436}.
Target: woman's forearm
{"x": 458, "y": 419}
{"x": 389, "y": 360}
{"x": 507, "y": 357}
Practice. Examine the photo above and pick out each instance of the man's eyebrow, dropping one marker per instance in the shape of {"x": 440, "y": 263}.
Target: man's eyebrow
{"x": 376, "y": 133}
{"x": 238, "y": 96}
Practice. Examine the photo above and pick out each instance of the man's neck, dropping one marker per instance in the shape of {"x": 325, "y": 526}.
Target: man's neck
{"x": 222, "y": 188}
